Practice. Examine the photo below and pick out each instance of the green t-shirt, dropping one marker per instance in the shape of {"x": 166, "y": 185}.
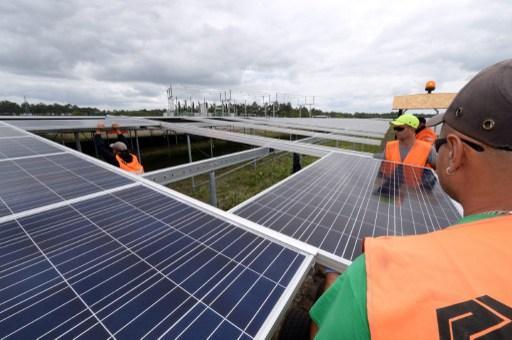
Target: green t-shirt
{"x": 340, "y": 312}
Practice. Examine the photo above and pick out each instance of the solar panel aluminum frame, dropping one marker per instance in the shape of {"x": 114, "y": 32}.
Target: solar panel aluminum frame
{"x": 322, "y": 257}
{"x": 308, "y": 251}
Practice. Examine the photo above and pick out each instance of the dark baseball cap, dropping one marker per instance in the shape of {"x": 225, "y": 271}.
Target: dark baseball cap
{"x": 483, "y": 108}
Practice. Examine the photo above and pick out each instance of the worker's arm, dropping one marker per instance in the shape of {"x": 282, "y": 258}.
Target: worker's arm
{"x": 103, "y": 149}
{"x": 341, "y": 313}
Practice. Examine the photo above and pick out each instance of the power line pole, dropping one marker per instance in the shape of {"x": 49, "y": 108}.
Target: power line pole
{"x": 171, "y": 107}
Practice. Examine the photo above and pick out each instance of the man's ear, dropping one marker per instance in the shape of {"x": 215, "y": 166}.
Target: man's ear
{"x": 455, "y": 151}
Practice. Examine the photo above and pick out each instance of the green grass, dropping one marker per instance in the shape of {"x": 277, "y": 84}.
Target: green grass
{"x": 238, "y": 183}
{"x": 352, "y": 146}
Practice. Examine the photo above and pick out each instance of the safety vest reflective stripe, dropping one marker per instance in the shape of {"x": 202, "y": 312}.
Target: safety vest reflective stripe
{"x": 134, "y": 166}
{"x": 438, "y": 285}
{"x": 427, "y": 135}
{"x": 417, "y": 157}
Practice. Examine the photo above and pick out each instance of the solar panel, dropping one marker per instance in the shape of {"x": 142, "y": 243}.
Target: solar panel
{"x": 35, "y": 182}
{"x": 74, "y": 124}
{"x": 24, "y": 146}
{"x": 340, "y": 199}
{"x": 139, "y": 264}
{"x": 6, "y": 131}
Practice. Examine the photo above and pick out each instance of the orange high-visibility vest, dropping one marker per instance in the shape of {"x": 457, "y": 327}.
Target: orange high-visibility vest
{"x": 134, "y": 166}
{"x": 443, "y": 284}
{"x": 427, "y": 135}
{"x": 416, "y": 158}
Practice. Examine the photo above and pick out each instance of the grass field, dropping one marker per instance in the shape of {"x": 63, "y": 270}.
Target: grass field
{"x": 238, "y": 183}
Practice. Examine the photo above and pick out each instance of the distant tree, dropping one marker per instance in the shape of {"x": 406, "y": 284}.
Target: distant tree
{"x": 9, "y": 108}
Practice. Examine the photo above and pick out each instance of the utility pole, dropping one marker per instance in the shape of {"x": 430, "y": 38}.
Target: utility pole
{"x": 311, "y": 104}
{"x": 221, "y": 104}
{"x": 274, "y": 107}
{"x": 171, "y": 107}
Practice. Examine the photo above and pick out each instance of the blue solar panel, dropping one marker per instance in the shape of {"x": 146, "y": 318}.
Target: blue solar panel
{"x": 341, "y": 199}
{"x": 137, "y": 263}
{"x": 35, "y": 182}
{"x": 25, "y": 146}
{"x": 6, "y": 131}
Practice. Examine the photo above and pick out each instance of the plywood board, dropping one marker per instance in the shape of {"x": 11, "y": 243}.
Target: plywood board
{"x": 423, "y": 101}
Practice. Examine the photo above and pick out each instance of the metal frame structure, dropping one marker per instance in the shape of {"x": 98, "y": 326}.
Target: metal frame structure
{"x": 297, "y": 147}
{"x": 334, "y": 134}
{"x": 310, "y": 126}
{"x": 177, "y": 173}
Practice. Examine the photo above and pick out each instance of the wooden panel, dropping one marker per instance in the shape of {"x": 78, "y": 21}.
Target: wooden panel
{"x": 423, "y": 101}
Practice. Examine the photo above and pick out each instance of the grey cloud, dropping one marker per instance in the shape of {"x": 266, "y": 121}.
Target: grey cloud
{"x": 352, "y": 56}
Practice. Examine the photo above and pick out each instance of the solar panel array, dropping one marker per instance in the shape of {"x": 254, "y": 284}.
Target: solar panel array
{"x": 336, "y": 202}
{"x": 128, "y": 261}
{"x": 77, "y": 123}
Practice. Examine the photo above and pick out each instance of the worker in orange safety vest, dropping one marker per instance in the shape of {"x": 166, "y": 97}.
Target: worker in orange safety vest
{"x": 117, "y": 153}
{"x": 425, "y": 133}
{"x": 407, "y": 150}
{"x": 453, "y": 283}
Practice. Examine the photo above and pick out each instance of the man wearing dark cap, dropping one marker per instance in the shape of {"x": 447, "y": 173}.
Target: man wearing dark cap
{"x": 454, "y": 283}
{"x": 117, "y": 153}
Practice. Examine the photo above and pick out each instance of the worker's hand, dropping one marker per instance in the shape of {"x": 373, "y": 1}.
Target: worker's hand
{"x": 116, "y": 129}
{"x": 100, "y": 126}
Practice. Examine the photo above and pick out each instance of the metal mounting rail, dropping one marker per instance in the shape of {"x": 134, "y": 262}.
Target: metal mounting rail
{"x": 177, "y": 173}
{"x": 298, "y": 147}
{"x": 298, "y": 125}
{"x": 332, "y": 136}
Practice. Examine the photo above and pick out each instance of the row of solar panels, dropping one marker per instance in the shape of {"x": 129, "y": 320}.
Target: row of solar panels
{"x": 331, "y": 205}
{"x": 87, "y": 251}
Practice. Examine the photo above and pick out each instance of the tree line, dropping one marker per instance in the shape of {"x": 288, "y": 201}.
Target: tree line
{"x": 254, "y": 109}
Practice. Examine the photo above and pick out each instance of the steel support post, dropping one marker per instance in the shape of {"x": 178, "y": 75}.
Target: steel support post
{"x": 190, "y": 161}
{"x": 213, "y": 189}
{"x": 137, "y": 144}
{"x": 95, "y": 147}
{"x": 168, "y": 141}
{"x": 77, "y": 141}
{"x": 131, "y": 140}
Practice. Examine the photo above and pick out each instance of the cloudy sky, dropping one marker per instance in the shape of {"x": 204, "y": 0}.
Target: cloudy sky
{"x": 351, "y": 55}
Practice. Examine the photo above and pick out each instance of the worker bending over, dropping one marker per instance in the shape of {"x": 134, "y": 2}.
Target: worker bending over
{"x": 117, "y": 153}
{"x": 454, "y": 283}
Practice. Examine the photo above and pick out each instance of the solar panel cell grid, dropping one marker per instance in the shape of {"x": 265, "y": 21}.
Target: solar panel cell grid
{"x": 137, "y": 264}
{"x": 341, "y": 199}
{"x": 36, "y": 182}
{"x": 6, "y": 131}
{"x": 24, "y": 146}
